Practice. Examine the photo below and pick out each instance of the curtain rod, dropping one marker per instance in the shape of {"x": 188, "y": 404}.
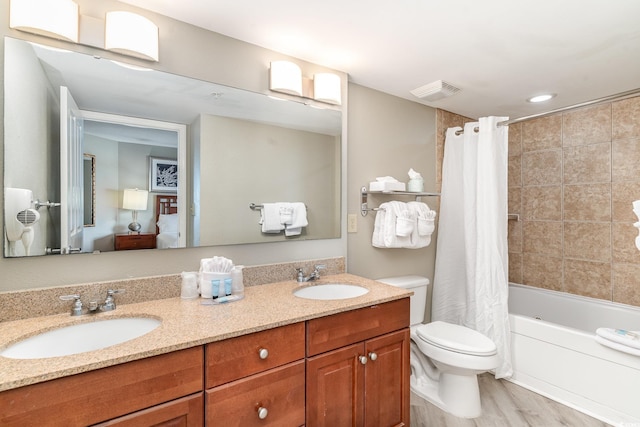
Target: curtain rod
{"x": 617, "y": 96}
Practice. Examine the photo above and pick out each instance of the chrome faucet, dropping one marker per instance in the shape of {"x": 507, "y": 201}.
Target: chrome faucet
{"x": 108, "y": 305}
{"x": 315, "y": 274}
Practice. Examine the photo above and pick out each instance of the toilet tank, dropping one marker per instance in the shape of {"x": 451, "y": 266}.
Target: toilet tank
{"x": 418, "y": 300}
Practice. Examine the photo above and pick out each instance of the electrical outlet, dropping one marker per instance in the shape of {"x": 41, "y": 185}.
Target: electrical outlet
{"x": 352, "y": 223}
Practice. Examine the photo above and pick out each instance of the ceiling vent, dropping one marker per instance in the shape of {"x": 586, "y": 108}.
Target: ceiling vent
{"x": 435, "y": 91}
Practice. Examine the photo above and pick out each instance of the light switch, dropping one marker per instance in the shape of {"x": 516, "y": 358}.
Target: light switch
{"x": 352, "y": 223}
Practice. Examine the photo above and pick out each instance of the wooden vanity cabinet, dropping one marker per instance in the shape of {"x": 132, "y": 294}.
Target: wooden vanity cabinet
{"x": 105, "y": 394}
{"x": 257, "y": 379}
{"x": 358, "y": 367}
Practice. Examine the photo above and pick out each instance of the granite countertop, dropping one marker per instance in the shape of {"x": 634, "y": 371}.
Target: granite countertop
{"x": 185, "y": 323}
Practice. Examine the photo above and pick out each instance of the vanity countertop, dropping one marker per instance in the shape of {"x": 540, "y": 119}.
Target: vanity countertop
{"x": 185, "y": 323}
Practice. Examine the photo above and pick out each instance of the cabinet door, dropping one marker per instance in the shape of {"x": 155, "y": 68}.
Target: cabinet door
{"x": 387, "y": 377}
{"x": 335, "y": 388}
{"x": 185, "y": 412}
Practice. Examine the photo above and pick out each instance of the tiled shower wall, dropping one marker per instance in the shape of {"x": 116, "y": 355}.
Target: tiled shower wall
{"x": 572, "y": 179}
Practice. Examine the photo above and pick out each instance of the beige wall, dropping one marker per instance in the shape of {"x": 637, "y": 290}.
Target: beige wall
{"x": 193, "y": 52}
{"x": 387, "y": 136}
{"x": 573, "y": 178}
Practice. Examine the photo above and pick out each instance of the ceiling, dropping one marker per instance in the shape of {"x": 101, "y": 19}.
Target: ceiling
{"x": 497, "y": 52}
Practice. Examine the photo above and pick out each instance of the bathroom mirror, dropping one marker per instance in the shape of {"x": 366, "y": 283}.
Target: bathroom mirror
{"x": 273, "y": 150}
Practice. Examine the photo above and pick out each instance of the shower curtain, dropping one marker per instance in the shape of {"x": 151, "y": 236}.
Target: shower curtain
{"x": 470, "y": 286}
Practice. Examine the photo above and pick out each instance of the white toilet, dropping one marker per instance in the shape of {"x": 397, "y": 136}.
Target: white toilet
{"x": 445, "y": 358}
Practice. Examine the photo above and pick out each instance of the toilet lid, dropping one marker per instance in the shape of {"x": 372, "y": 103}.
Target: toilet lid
{"x": 456, "y": 338}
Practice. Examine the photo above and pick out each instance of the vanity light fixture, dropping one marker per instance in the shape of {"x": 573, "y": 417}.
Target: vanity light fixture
{"x": 286, "y": 77}
{"x": 326, "y": 88}
{"x": 131, "y": 34}
{"x": 135, "y": 200}
{"x": 50, "y": 18}
{"x": 541, "y": 98}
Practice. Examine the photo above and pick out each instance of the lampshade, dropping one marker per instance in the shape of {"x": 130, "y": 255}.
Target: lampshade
{"x": 135, "y": 199}
{"x": 326, "y": 88}
{"x": 131, "y": 34}
{"x": 50, "y": 18}
{"x": 285, "y": 77}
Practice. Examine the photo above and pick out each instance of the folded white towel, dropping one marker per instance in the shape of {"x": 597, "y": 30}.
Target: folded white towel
{"x": 617, "y": 346}
{"x": 621, "y": 336}
{"x": 425, "y": 224}
{"x": 298, "y": 219}
{"x": 377, "y": 240}
{"x": 270, "y": 218}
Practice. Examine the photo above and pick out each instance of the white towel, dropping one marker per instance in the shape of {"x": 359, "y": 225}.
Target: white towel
{"x": 270, "y": 218}
{"x": 621, "y": 336}
{"x": 425, "y": 224}
{"x": 298, "y": 219}
{"x": 392, "y": 239}
{"x": 377, "y": 240}
{"x": 617, "y": 346}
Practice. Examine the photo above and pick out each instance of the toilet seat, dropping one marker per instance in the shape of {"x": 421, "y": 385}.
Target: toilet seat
{"x": 456, "y": 338}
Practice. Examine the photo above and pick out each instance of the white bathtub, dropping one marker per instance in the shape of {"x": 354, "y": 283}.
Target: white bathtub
{"x": 554, "y": 352}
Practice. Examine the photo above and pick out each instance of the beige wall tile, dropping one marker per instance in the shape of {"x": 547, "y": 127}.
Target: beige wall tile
{"x": 587, "y": 125}
{"x": 587, "y": 241}
{"x": 624, "y": 243}
{"x": 542, "y": 237}
{"x": 515, "y": 139}
{"x": 626, "y": 118}
{"x": 588, "y": 202}
{"x": 626, "y": 283}
{"x": 625, "y": 160}
{"x": 515, "y": 267}
{"x": 589, "y": 279}
{"x": 514, "y": 236}
{"x": 514, "y": 203}
{"x": 542, "y": 203}
{"x": 623, "y": 195}
{"x": 542, "y": 167}
{"x": 589, "y": 163}
{"x": 514, "y": 174}
{"x": 542, "y": 271}
{"x": 542, "y": 134}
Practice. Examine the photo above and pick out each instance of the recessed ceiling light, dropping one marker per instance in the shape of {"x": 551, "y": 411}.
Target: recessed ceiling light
{"x": 541, "y": 98}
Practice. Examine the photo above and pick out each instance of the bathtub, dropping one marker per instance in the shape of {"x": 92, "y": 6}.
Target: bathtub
{"x": 554, "y": 353}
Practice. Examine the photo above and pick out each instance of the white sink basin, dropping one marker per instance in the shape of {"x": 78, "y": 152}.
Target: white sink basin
{"x": 80, "y": 338}
{"x": 330, "y": 291}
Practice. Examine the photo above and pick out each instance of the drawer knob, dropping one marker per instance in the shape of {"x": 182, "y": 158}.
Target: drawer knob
{"x": 262, "y": 413}
{"x": 363, "y": 359}
{"x": 263, "y": 353}
{"x": 373, "y": 356}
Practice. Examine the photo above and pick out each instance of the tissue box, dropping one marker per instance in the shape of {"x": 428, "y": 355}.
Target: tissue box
{"x": 387, "y": 186}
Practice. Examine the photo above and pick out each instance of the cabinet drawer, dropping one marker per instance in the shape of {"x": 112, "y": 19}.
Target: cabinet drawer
{"x": 100, "y": 395}
{"x": 281, "y": 391}
{"x": 240, "y": 357}
{"x": 135, "y": 241}
{"x": 185, "y": 412}
{"x": 338, "y": 330}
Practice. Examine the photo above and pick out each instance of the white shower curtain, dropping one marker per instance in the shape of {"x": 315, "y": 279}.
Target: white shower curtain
{"x": 470, "y": 286}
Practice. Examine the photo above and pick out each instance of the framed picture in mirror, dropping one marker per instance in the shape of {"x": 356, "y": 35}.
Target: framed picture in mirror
{"x": 163, "y": 175}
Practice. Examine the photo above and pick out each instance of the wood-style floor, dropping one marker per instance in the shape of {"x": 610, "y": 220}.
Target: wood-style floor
{"x": 504, "y": 404}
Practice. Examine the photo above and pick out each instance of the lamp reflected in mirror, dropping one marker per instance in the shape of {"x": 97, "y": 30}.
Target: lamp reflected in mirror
{"x": 135, "y": 200}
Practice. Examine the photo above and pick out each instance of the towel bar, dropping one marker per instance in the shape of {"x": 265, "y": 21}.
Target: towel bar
{"x": 255, "y": 207}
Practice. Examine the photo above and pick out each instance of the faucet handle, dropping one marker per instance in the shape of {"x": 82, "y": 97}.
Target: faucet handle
{"x": 110, "y": 302}
{"x": 76, "y": 310}
{"x": 320, "y": 267}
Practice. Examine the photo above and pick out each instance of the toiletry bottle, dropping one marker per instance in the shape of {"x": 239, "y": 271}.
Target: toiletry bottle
{"x": 237, "y": 281}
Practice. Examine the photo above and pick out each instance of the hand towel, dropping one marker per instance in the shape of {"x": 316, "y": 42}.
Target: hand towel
{"x": 425, "y": 224}
{"x": 394, "y": 210}
{"x": 270, "y": 218}
{"x": 298, "y": 219}
{"x": 377, "y": 240}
